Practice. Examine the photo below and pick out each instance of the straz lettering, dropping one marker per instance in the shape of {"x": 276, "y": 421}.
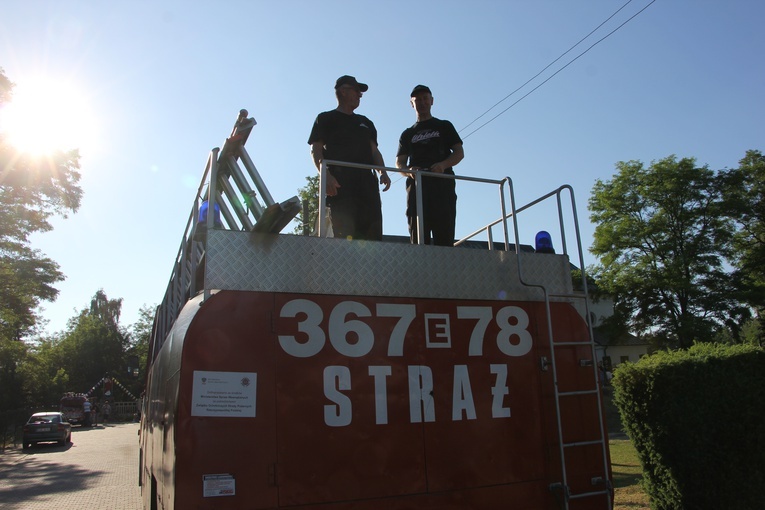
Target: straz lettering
{"x": 354, "y": 330}
{"x": 422, "y": 406}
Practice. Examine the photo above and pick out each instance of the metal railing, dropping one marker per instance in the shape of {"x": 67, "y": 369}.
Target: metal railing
{"x": 418, "y": 174}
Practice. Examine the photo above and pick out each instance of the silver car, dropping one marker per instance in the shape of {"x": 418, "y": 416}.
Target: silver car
{"x": 43, "y": 427}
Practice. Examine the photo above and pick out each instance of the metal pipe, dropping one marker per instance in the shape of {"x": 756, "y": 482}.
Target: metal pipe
{"x": 323, "y": 200}
{"x": 420, "y": 208}
{"x": 255, "y": 176}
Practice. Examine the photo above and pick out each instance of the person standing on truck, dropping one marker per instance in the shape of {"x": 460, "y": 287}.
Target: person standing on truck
{"x": 431, "y": 145}
{"x": 353, "y": 195}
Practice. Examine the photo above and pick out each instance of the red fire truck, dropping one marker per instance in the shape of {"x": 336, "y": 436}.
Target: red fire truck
{"x": 310, "y": 372}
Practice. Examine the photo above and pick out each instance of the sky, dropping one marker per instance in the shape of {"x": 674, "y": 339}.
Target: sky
{"x": 145, "y": 89}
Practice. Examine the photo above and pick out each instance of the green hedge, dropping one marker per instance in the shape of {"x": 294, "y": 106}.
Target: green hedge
{"x": 697, "y": 420}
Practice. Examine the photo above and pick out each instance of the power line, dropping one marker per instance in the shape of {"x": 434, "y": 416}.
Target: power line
{"x": 547, "y": 66}
{"x": 559, "y": 70}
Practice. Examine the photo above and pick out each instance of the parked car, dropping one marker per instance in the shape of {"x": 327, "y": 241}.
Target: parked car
{"x": 46, "y": 427}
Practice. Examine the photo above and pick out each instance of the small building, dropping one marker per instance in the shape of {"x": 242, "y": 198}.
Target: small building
{"x": 625, "y": 347}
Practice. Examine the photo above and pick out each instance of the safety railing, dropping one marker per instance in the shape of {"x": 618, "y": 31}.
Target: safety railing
{"x": 418, "y": 175}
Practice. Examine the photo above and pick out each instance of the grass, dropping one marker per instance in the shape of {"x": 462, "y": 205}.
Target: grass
{"x": 625, "y": 465}
{"x": 627, "y": 473}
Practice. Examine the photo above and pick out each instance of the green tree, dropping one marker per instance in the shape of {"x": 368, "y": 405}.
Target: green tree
{"x": 745, "y": 204}
{"x": 309, "y": 196}
{"x": 140, "y": 338}
{"x": 662, "y": 241}
{"x": 94, "y": 344}
{"x": 12, "y": 354}
{"x": 32, "y": 190}
{"x": 44, "y": 379}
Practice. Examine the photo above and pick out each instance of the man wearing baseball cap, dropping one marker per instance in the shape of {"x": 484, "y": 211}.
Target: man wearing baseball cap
{"x": 430, "y": 145}
{"x": 353, "y": 194}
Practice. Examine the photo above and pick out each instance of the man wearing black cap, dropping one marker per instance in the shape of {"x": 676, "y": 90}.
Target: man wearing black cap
{"x": 432, "y": 145}
{"x": 353, "y": 195}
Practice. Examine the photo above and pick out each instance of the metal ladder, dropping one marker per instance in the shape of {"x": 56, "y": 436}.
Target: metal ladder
{"x": 602, "y": 485}
{"x": 234, "y": 193}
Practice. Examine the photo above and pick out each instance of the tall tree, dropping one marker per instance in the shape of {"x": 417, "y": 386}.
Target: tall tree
{"x": 44, "y": 380}
{"x": 108, "y": 310}
{"x": 12, "y": 354}
{"x": 32, "y": 190}
{"x": 139, "y": 342}
{"x": 94, "y": 344}
{"x": 745, "y": 204}
{"x": 662, "y": 242}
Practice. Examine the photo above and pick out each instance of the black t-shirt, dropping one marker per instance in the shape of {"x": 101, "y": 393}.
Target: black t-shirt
{"x": 347, "y": 138}
{"x": 426, "y": 143}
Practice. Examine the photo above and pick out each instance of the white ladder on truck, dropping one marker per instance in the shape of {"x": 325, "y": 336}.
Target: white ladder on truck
{"x": 602, "y": 485}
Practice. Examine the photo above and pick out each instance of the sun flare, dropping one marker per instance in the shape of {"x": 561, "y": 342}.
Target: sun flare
{"x": 46, "y": 115}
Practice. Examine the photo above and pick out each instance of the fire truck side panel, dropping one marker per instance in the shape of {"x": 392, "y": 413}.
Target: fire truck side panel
{"x": 231, "y": 333}
{"x": 333, "y": 425}
{"x": 158, "y": 428}
{"x": 431, "y": 391}
{"x": 359, "y": 444}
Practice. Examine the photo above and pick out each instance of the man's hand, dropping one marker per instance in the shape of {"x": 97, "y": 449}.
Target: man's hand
{"x": 384, "y": 179}
{"x": 438, "y": 167}
{"x": 332, "y": 185}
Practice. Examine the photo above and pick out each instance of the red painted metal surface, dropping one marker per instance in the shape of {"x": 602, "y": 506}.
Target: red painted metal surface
{"x": 368, "y": 403}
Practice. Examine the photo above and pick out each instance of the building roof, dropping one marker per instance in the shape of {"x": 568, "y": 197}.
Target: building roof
{"x": 626, "y": 339}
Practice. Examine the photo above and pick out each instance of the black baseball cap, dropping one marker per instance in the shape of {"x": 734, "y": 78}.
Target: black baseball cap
{"x": 350, "y": 80}
{"x": 418, "y": 89}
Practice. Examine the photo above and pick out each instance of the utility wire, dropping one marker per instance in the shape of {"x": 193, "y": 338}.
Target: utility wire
{"x": 559, "y": 70}
{"x": 547, "y": 66}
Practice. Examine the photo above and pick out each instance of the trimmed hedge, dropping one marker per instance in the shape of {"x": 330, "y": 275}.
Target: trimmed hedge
{"x": 697, "y": 420}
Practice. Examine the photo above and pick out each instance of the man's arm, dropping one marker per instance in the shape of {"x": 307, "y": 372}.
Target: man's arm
{"x": 401, "y": 161}
{"x": 458, "y": 153}
{"x": 317, "y": 154}
{"x": 377, "y": 159}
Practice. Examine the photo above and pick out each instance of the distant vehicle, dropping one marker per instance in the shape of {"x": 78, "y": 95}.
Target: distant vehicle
{"x": 72, "y": 406}
{"x": 47, "y": 427}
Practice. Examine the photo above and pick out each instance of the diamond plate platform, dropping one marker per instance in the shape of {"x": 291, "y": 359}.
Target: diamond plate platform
{"x": 290, "y": 263}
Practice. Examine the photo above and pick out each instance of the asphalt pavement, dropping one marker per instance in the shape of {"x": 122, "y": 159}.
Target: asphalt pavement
{"x": 99, "y": 470}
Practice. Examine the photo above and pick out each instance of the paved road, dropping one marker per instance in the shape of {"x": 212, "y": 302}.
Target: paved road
{"x": 99, "y": 470}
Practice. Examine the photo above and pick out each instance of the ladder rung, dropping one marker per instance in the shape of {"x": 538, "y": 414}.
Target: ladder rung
{"x": 583, "y": 443}
{"x": 565, "y": 344}
{"x": 590, "y": 494}
{"x": 574, "y": 393}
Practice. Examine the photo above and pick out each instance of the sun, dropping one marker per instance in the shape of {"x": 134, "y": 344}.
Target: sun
{"x": 45, "y": 115}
